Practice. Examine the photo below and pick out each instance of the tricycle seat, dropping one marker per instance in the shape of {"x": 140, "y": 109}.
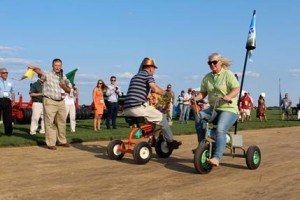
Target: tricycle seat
{"x": 134, "y": 120}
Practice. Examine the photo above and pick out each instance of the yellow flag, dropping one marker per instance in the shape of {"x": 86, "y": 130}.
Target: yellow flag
{"x": 28, "y": 74}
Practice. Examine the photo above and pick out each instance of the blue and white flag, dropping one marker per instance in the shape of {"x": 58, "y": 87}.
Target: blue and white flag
{"x": 251, "y": 41}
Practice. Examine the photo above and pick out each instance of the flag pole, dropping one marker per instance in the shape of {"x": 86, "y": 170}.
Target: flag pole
{"x": 241, "y": 87}
{"x": 280, "y": 98}
{"x": 250, "y": 45}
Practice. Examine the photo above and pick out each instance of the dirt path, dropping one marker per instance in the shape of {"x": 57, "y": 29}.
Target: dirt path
{"x": 84, "y": 172}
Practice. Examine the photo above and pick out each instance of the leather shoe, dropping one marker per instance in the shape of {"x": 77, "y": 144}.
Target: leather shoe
{"x": 63, "y": 145}
{"x": 193, "y": 150}
{"x": 52, "y": 147}
{"x": 174, "y": 144}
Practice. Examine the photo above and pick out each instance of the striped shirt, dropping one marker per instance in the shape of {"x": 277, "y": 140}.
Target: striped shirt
{"x": 51, "y": 87}
{"x": 138, "y": 89}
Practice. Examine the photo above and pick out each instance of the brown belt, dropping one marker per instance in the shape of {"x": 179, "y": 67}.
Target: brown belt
{"x": 54, "y": 99}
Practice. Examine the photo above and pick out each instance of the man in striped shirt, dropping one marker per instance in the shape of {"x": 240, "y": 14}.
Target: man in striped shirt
{"x": 136, "y": 105}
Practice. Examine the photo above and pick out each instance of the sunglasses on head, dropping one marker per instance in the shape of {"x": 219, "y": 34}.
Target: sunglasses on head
{"x": 212, "y": 62}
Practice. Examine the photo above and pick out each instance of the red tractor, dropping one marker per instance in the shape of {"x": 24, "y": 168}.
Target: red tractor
{"x": 22, "y": 111}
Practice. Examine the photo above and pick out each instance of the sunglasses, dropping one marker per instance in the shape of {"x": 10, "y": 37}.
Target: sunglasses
{"x": 4, "y": 72}
{"x": 100, "y": 83}
{"x": 113, "y": 80}
{"x": 213, "y": 62}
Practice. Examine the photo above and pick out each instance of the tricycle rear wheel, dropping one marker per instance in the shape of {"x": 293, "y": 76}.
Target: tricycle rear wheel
{"x": 253, "y": 157}
{"x": 113, "y": 150}
{"x": 161, "y": 148}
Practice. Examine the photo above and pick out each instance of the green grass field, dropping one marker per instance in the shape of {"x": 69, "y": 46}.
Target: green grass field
{"x": 85, "y": 131}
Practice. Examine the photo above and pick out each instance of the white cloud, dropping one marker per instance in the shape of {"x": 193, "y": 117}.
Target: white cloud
{"x": 87, "y": 76}
{"x": 87, "y": 79}
{"x": 18, "y": 71}
{"x": 117, "y": 66}
{"x": 85, "y": 83}
{"x": 9, "y": 50}
{"x": 295, "y": 72}
{"x": 157, "y": 76}
{"x": 249, "y": 73}
{"x": 126, "y": 75}
{"x": 195, "y": 77}
{"x": 20, "y": 61}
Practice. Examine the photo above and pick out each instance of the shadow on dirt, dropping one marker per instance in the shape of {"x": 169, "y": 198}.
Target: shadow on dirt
{"x": 181, "y": 165}
{"x": 176, "y": 164}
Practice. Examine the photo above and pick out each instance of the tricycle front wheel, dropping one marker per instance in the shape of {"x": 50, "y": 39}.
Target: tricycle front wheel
{"x": 142, "y": 153}
{"x": 201, "y": 156}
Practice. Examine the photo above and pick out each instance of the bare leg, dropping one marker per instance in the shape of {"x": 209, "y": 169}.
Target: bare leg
{"x": 95, "y": 122}
{"x": 99, "y": 122}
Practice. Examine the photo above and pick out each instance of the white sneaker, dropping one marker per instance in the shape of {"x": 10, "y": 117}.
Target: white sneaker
{"x": 32, "y": 133}
{"x": 42, "y": 132}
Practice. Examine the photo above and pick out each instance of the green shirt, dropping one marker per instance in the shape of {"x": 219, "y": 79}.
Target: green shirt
{"x": 219, "y": 85}
{"x": 36, "y": 87}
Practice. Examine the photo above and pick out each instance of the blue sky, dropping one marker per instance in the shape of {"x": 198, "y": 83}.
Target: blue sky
{"x": 104, "y": 38}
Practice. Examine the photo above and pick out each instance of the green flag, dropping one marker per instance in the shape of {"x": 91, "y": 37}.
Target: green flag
{"x": 71, "y": 75}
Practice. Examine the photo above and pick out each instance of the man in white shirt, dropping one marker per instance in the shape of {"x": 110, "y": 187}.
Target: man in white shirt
{"x": 185, "y": 114}
{"x": 70, "y": 107}
{"x": 113, "y": 92}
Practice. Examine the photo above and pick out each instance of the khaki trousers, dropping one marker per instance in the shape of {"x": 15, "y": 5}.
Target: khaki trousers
{"x": 151, "y": 115}
{"x": 170, "y": 114}
{"x": 55, "y": 121}
{"x": 71, "y": 111}
{"x": 37, "y": 113}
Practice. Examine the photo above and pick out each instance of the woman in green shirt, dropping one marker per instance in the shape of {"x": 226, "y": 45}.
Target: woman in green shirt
{"x": 220, "y": 83}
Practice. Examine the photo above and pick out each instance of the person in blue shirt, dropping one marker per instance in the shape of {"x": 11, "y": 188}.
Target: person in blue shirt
{"x": 7, "y": 100}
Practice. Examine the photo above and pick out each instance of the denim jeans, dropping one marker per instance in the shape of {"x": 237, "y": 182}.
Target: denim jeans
{"x": 112, "y": 112}
{"x": 224, "y": 121}
{"x": 185, "y": 114}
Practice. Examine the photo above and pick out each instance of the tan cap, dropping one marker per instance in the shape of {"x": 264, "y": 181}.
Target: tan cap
{"x": 3, "y": 70}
